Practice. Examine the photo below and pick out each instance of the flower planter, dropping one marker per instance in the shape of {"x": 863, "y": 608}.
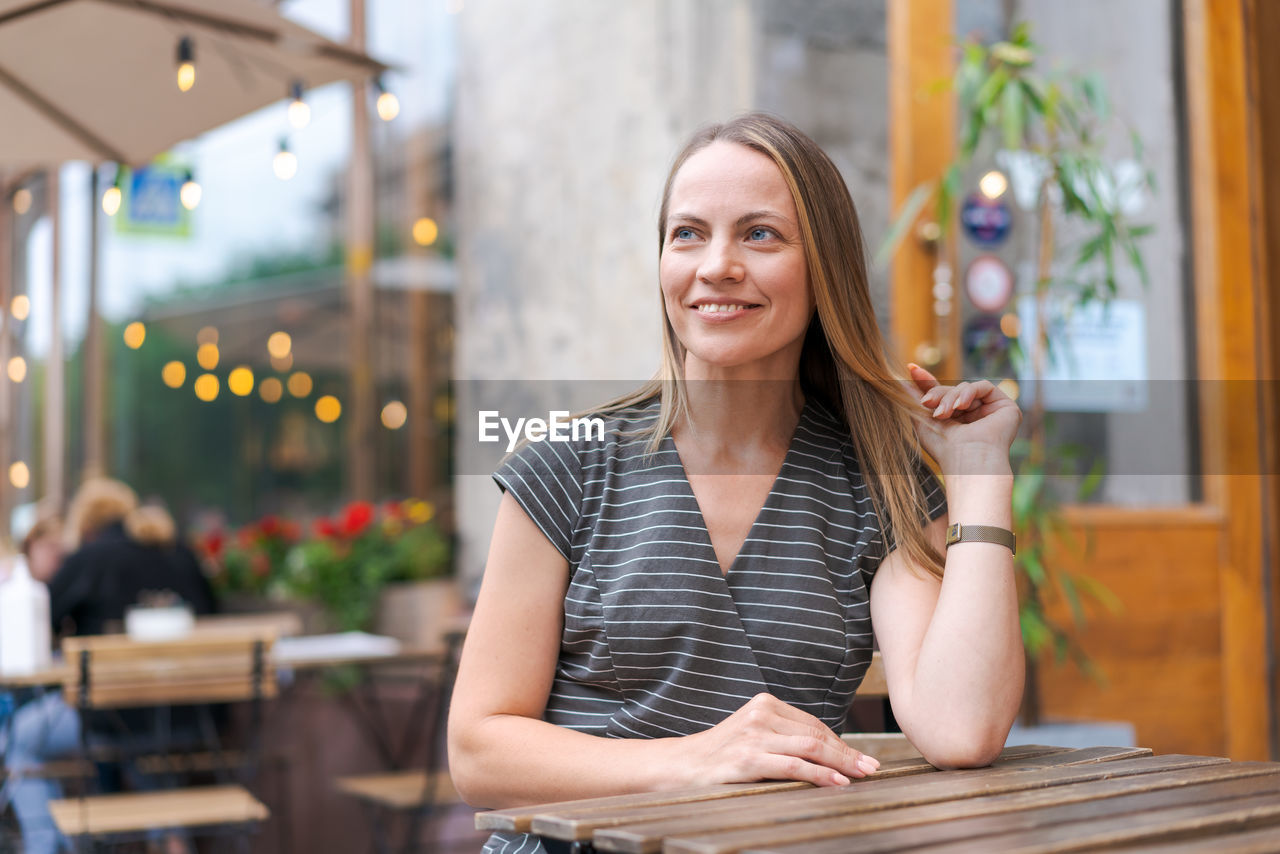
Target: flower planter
{"x": 417, "y": 613}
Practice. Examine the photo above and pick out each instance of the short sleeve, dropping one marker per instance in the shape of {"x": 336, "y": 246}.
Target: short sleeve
{"x": 545, "y": 478}
{"x": 935, "y": 500}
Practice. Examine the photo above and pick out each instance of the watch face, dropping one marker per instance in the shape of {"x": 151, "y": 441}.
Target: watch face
{"x": 989, "y": 283}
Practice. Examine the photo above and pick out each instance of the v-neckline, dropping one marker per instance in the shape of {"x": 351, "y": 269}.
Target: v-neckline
{"x": 670, "y": 443}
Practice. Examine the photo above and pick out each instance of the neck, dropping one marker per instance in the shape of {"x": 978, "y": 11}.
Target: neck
{"x": 733, "y": 419}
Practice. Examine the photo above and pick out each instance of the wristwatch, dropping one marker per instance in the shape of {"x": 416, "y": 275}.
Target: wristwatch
{"x": 958, "y": 533}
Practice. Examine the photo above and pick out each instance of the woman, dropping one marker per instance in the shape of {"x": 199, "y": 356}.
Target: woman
{"x": 700, "y": 588}
{"x": 120, "y": 551}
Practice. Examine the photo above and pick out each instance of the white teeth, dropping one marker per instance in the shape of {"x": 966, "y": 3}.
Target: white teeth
{"x": 708, "y": 308}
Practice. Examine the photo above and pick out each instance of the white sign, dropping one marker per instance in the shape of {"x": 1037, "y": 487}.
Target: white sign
{"x": 1097, "y": 360}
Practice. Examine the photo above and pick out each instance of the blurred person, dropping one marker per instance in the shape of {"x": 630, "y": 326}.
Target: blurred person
{"x": 120, "y": 551}
{"x": 44, "y": 728}
{"x": 690, "y": 598}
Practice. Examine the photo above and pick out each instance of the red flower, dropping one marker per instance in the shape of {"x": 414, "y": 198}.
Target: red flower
{"x": 246, "y": 536}
{"x": 393, "y": 510}
{"x": 269, "y": 525}
{"x": 213, "y": 544}
{"x": 291, "y": 531}
{"x": 325, "y": 528}
{"x": 356, "y": 518}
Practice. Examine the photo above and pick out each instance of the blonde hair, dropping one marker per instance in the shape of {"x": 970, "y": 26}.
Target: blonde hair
{"x": 844, "y": 360}
{"x": 101, "y": 502}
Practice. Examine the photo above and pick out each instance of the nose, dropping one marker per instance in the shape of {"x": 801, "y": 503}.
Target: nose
{"x": 720, "y": 262}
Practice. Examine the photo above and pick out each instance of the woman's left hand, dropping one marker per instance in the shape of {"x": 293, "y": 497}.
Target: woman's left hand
{"x": 965, "y": 427}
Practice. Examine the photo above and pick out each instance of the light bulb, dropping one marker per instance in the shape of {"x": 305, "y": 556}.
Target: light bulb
{"x": 993, "y": 184}
{"x": 186, "y": 64}
{"x": 388, "y": 106}
{"x": 111, "y": 201}
{"x": 190, "y": 193}
{"x": 299, "y": 112}
{"x": 285, "y": 165}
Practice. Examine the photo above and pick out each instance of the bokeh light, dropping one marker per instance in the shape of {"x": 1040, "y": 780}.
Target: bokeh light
{"x": 394, "y": 415}
{"x": 174, "y": 374}
{"x": 134, "y": 334}
{"x": 17, "y": 369}
{"x": 300, "y": 384}
{"x": 207, "y": 356}
{"x": 279, "y": 345}
{"x": 206, "y": 387}
{"x": 240, "y": 381}
{"x": 328, "y": 409}
{"x": 19, "y": 475}
{"x": 271, "y": 390}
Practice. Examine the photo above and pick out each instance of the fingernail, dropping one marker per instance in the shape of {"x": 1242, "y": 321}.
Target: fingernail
{"x": 938, "y": 411}
{"x": 913, "y": 366}
{"x": 866, "y": 766}
{"x": 840, "y": 779}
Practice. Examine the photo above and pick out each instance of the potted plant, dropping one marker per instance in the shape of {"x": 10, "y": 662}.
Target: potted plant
{"x": 1054, "y": 124}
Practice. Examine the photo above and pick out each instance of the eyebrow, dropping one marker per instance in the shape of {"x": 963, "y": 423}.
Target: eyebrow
{"x": 742, "y": 220}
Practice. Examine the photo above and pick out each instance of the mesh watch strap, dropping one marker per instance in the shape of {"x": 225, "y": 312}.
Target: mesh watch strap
{"x": 958, "y": 533}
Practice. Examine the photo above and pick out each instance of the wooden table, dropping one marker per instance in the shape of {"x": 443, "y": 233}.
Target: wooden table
{"x": 1033, "y": 798}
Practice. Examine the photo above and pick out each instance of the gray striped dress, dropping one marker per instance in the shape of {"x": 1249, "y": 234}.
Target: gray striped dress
{"x": 657, "y": 641}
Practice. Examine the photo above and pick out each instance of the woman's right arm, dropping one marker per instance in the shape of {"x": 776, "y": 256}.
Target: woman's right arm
{"x": 501, "y": 752}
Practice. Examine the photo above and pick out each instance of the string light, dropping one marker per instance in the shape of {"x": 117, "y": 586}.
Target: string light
{"x": 17, "y": 369}
{"x": 285, "y": 165}
{"x": 271, "y": 390}
{"x": 300, "y": 384}
{"x": 299, "y": 112}
{"x": 394, "y": 415}
{"x": 388, "y": 104}
{"x": 174, "y": 374}
{"x": 279, "y": 345}
{"x": 207, "y": 356}
{"x": 191, "y": 192}
{"x": 186, "y": 64}
{"x": 134, "y": 334}
{"x": 425, "y": 231}
{"x": 206, "y": 387}
{"x": 20, "y": 308}
{"x": 21, "y": 201}
{"x": 993, "y": 184}
{"x": 112, "y": 198}
{"x": 240, "y": 381}
{"x": 328, "y": 409}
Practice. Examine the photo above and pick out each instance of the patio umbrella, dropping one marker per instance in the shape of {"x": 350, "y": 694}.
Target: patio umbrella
{"x": 97, "y": 80}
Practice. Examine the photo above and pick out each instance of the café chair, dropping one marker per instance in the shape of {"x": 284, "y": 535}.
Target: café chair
{"x": 418, "y": 793}
{"x": 109, "y": 674}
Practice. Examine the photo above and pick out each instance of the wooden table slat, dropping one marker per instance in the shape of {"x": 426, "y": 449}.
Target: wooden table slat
{"x": 617, "y": 833}
{"x": 1175, "y": 823}
{"x": 576, "y": 820}
{"x": 1262, "y": 841}
{"x": 983, "y": 818}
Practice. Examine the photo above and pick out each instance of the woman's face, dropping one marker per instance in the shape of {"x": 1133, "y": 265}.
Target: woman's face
{"x": 733, "y": 272}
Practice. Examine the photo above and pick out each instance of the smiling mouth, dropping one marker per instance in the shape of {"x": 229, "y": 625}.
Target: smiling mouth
{"x": 716, "y": 308}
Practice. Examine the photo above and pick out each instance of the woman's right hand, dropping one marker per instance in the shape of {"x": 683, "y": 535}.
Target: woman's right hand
{"x": 767, "y": 739}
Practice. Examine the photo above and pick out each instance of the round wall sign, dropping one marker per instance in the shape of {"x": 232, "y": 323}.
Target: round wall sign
{"x": 989, "y": 283}
{"x": 986, "y": 221}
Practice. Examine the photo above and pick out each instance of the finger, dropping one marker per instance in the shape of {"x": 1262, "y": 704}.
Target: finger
{"x": 838, "y": 756}
{"x": 922, "y": 378}
{"x": 778, "y": 766}
{"x": 976, "y": 393}
{"x": 786, "y": 720}
{"x": 946, "y": 405}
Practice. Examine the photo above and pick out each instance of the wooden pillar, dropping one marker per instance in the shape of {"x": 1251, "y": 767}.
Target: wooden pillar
{"x": 94, "y": 372}
{"x": 55, "y": 408}
{"x": 921, "y": 144}
{"x": 360, "y": 238}
{"x": 7, "y": 325}
{"x": 1227, "y": 247}
{"x": 420, "y": 375}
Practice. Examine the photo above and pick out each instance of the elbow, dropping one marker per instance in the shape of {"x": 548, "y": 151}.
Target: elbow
{"x": 972, "y": 747}
{"x": 465, "y": 765}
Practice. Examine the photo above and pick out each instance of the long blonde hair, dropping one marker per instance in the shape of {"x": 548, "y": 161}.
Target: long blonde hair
{"x": 844, "y": 360}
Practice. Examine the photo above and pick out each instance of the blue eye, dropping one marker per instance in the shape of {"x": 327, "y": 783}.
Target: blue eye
{"x": 682, "y": 233}
{"x": 760, "y": 233}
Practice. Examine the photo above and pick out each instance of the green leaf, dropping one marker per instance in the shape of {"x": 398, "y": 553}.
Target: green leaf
{"x": 1100, "y": 593}
{"x": 906, "y": 218}
{"x": 948, "y": 195}
{"x": 1011, "y": 116}
{"x": 1135, "y": 258}
{"x": 991, "y": 88}
{"x": 1030, "y": 90}
{"x": 1073, "y": 598}
{"x": 1095, "y": 95}
{"x": 1035, "y": 633}
{"x": 1092, "y": 480}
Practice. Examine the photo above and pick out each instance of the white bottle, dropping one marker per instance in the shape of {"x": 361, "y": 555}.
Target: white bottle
{"x": 24, "y": 622}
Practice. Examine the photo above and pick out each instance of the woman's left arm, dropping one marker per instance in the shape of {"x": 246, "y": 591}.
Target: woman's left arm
{"x": 952, "y": 649}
